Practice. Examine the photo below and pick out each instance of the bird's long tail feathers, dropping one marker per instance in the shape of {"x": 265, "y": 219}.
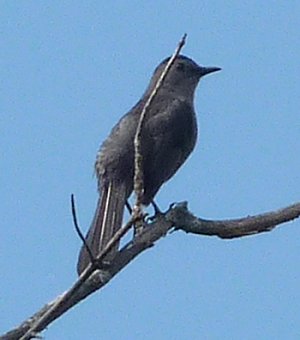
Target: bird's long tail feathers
{"x": 107, "y": 220}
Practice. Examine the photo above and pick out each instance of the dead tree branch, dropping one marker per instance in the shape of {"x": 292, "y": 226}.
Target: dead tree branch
{"x": 62, "y": 303}
{"x": 178, "y": 218}
{"x": 138, "y": 157}
{"x": 232, "y": 228}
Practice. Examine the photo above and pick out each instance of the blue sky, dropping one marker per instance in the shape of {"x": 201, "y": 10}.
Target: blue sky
{"x": 69, "y": 70}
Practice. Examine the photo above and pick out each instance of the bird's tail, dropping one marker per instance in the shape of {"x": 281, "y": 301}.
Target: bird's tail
{"x": 107, "y": 220}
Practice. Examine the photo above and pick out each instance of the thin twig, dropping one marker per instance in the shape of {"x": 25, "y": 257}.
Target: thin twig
{"x": 86, "y": 246}
{"x": 128, "y": 207}
{"x": 138, "y": 157}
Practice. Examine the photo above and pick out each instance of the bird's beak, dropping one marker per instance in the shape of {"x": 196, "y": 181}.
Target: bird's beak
{"x": 207, "y": 70}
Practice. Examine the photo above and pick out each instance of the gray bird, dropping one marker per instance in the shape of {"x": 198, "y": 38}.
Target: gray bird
{"x": 168, "y": 137}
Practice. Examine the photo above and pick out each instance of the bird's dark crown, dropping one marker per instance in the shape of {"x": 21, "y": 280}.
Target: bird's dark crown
{"x": 180, "y": 57}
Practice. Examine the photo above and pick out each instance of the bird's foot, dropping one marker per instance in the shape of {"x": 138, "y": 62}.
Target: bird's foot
{"x": 157, "y": 212}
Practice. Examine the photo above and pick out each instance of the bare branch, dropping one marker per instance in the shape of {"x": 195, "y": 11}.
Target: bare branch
{"x": 179, "y": 218}
{"x": 233, "y": 228}
{"x": 89, "y": 282}
{"x": 66, "y": 300}
{"x": 79, "y": 233}
{"x": 138, "y": 158}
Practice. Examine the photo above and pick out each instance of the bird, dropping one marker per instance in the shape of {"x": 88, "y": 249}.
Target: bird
{"x": 169, "y": 135}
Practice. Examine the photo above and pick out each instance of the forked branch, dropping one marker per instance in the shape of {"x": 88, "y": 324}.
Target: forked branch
{"x": 177, "y": 217}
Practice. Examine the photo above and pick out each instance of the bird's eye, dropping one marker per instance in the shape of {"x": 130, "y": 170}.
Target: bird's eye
{"x": 180, "y": 67}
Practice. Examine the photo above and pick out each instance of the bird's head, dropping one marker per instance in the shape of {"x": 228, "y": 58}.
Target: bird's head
{"x": 183, "y": 76}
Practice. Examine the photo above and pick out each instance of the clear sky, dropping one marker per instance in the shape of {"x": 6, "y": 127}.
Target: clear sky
{"x": 69, "y": 70}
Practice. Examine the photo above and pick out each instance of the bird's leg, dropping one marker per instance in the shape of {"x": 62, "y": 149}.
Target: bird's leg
{"x": 156, "y": 209}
